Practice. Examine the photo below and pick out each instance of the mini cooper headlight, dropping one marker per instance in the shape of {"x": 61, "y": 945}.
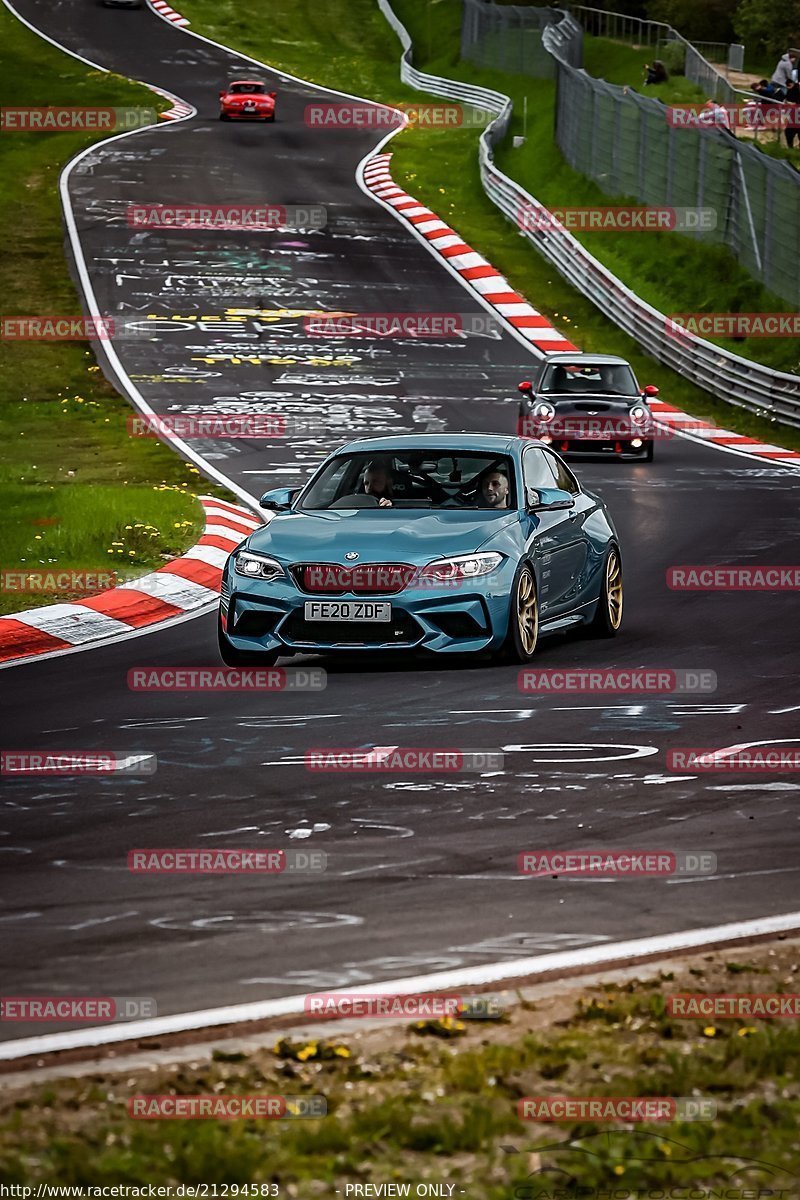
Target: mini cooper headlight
{"x": 256, "y": 566}
{"x": 638, "y": 414}
{"x": 464, "y": 566}
{"x": 544, "y": 410}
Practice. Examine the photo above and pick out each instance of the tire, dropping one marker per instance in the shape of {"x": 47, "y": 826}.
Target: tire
{"x": 224, "y": 117}
{"x": 607, "y": 621}
{"x": 523, "y": 618}
{"x": 650, "y": 451}
{"x": 240, "y": 658}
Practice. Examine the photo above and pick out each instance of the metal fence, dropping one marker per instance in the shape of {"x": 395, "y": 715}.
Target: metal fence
{"x": 736, "y": 380}
{"x": 625, "y": 143}
{"x": 640, "y": 32}
{"x": 509, "y": 38}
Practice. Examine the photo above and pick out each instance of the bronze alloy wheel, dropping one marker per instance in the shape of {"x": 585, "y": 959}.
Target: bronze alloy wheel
{"x": 527, "y": 613}
{"x": 523, "y": 618}
{"x": 613, "y": 589}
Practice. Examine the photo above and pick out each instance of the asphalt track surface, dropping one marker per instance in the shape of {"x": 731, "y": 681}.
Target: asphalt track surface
{"x": 421, "y": 869}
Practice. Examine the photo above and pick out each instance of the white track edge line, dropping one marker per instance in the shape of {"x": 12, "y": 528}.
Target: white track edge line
{"x": 125, "y": 383}
{"x": 487, "y": 973}
{"x": 28, "y": 660}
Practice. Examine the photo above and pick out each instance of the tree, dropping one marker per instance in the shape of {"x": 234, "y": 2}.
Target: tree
{"x": 707, "y": 22}
{"x": 766, "y": 28}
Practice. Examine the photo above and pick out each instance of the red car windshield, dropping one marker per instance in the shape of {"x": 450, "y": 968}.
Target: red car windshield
{"x": 246, "y": 89}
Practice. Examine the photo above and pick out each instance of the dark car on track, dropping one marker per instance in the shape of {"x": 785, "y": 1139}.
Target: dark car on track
{"x": 447, "y": 543}
{"x": 588, "y": 404}
{"x": 122, "y": 3}
{"x": 247, "y": 100}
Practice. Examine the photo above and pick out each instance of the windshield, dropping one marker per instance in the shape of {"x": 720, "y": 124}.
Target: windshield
{"x": 608, "y": 379}
{"x": 241, "y": 89}
{"x": 414, "y": 479}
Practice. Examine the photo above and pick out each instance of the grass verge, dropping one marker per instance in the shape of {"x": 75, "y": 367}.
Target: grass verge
{"x": 617, "y": 62}
{"x": 348, "y": 44}
{"x": 76, "y": 491}
{"x": 440, "y": 1104}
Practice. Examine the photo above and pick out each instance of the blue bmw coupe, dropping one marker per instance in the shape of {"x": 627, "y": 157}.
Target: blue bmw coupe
{"x": 449, "y": 543}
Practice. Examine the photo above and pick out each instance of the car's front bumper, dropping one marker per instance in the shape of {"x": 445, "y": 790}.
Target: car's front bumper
{"x": 588, "y": 448}
{"x": 236, "y": 114}
{"x": 610, "y": 437}
{"x": 462, "y": 618}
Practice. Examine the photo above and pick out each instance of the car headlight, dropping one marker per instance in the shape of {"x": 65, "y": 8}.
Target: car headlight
{"x": 638, "y": 414}
{"x": 464, "y": 566}
{"x": 544, "y": 410}
{"x": 256, "y": 566}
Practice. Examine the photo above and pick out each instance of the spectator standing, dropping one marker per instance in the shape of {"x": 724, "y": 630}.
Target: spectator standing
{"x": 783, "y": 75}
{"x": 792, "y": 131}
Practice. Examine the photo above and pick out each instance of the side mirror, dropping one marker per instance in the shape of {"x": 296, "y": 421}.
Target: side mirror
{"x": 650, "y": 390}
{"x": 279, "y": 499}
{"x": 222, "y": 93}
{"x": 526, "y": 386}
{"x": 273, "y": 95}
{"x": 548, "y": 499}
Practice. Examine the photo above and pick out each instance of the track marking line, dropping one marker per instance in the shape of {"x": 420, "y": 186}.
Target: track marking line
{"x": 586, "y": 959}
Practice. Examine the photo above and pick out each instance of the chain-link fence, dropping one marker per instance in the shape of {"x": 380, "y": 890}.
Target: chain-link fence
{"x": 639, "y": 32}
{"x": 509, "y": 38}
{"x": 626, "y": 144}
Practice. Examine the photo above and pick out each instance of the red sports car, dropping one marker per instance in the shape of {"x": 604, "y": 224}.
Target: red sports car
{"x": 247, "y": 99}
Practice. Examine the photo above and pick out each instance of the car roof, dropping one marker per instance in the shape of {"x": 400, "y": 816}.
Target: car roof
{"x": 562, "y": 356}
{"x": 493, "y": 443}
{"x": 260, "y": 82}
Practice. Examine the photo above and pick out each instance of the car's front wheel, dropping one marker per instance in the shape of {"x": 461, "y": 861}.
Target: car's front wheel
{"x": 523, "y": 620}
{"x": 608, "y": 618}
{"x": 223, "y": 116}
{"x": 242, "y": 658}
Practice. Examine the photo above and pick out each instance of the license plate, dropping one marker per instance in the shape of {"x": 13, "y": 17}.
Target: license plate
{"x": 348, "y": 610}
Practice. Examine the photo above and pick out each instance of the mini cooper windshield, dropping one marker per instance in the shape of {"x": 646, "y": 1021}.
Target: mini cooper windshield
{"x": 412, "y": 479}
{"x": 608, "y": 379}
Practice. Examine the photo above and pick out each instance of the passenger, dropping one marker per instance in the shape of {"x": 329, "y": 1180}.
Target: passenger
{"x": 494, "y": 489}
{"x": 378, "y": 482}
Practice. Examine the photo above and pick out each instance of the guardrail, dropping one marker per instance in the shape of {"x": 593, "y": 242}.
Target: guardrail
{"x": 728, "y": 376}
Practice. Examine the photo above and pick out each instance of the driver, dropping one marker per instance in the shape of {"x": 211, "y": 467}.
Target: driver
{"x": 378, "y": 482}
{"x": 494, "y": 489}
